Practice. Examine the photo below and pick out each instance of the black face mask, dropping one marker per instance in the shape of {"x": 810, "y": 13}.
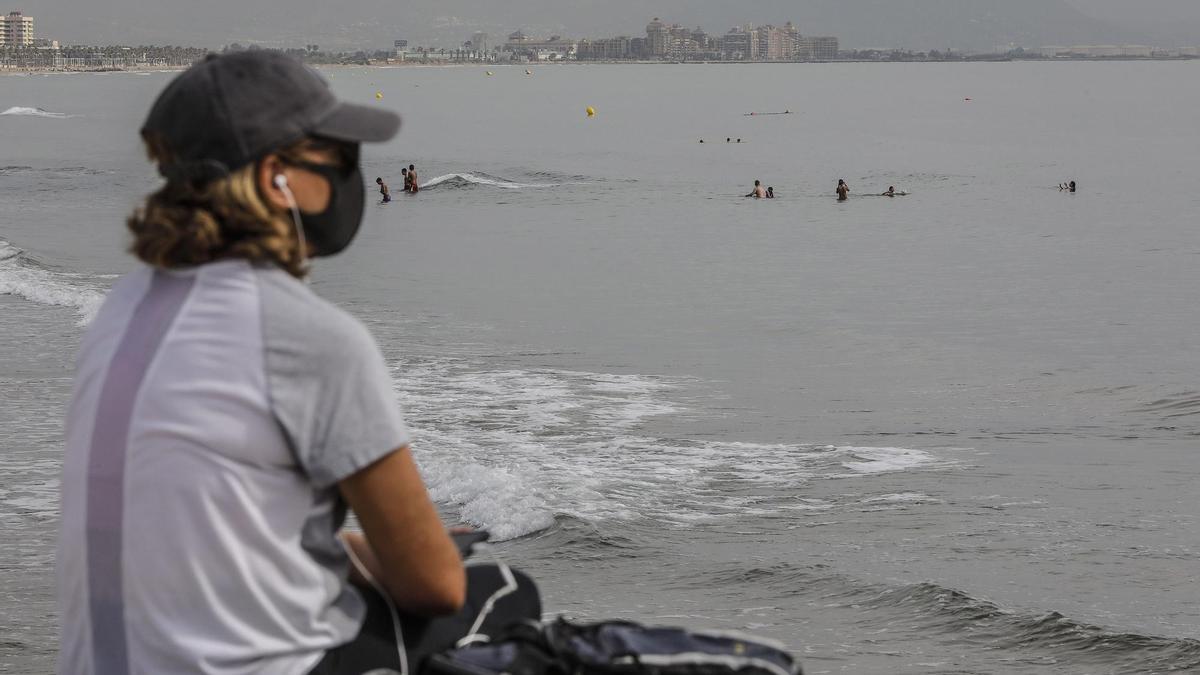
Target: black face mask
{"x": 332, "y": 230}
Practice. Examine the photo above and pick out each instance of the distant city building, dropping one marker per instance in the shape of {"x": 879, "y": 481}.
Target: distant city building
{"x": 658, "y": 38}
{"x": 423, "y": 55}
{"x": 606, "y": 49}
{"x": 1098, "y": 51}
{"x": 480, "y": 42}
{"x": 554, "y": 48}
{"x": 771, "y": 44}
{"x": 16, "y": 30}
{"x": 740, "y": 44}
{"x": 791, "y": 37}
{"x": 675, "y": 43}
{"x": 817, "y": 49}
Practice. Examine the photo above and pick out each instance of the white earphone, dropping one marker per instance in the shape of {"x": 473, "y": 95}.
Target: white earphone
{"x": 281, "y": 182}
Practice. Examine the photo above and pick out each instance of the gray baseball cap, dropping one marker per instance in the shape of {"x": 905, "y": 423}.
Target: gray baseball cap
{"x": 230, "y": 110}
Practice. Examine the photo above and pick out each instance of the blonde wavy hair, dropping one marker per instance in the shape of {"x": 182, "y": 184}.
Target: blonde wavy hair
{"x": 191, "y": 222}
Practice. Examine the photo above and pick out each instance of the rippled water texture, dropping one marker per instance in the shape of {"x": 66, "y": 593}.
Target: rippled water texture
{"x": 949, "y": 432}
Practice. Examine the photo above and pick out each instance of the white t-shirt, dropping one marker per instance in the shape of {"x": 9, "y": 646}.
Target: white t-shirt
{"x": 214, "y": 411}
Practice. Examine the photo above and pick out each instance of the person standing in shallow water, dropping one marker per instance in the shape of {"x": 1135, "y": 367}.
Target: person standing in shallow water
{"x": 383, "y": 190}
{"x": 843, "y": 190}
{"x": 413, "y": 185}
{"x": 758, "y": 192}
{"x": 225, "y": 419}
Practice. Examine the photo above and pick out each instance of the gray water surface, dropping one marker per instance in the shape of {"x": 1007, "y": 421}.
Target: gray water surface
{"x": 942, "y": 433}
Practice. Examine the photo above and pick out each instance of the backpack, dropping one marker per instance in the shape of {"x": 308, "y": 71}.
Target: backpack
{"x": 561, "y": 647}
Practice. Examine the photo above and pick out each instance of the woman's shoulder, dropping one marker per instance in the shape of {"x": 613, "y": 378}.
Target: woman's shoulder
{"x": 300, "y": 320}
{"x": 118, "y": 305}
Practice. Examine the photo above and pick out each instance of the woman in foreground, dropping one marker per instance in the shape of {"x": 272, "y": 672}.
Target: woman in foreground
{"x": 224, "y": 417}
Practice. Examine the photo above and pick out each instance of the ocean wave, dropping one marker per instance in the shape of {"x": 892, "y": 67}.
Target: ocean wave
{"x": 514, "y": 450}
{"x": 20, "y": 111}
{"x": 984, "y": 623}
{"x": 1180, "y": 404}
{"x": 8, "y": 251}
{"x": 462, "y": 180}
{"x": 54, "y": 172}
{"x": 24, "y": 277}
{"x": 958, "y": 618}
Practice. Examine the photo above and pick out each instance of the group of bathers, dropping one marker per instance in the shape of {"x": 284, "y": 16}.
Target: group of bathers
{"x": 411, "y": 185}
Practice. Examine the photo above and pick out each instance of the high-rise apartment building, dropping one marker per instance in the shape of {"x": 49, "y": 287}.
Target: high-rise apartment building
{"x": 773, "y": 44}
{"x": 658, "y": 38}
{"x": 740, "y": 44}
{"x": 16, "y": 30}
{"x": 791, "y": 41}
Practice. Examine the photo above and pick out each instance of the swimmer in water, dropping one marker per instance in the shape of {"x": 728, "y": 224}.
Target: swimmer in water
{"x": 407, "y": 181}
{"x": 770, "y": 193}
{"x": 413, "y": 186}
{"x": 843, "y": 190}
{"x": 891, "y": 192}
{"x": 758, "y": 192}
{"x": 1069, "y": 187}
{"x": 383, "y": 190}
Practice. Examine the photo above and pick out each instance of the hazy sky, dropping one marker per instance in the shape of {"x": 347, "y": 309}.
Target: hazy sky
{"x": 962, "y": 24}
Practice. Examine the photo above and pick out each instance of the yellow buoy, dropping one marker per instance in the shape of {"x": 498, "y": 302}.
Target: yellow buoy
{"x": 591, "y": 112}
{"x": 378, "y": 95}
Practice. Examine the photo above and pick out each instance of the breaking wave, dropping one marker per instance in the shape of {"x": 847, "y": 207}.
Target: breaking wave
{"x": 463, "y": 180}
{"x": 19, "y": 111}
{"x": 23, "y": 276}
{"x": 962, "y": 620}
{"x": 956, "y": 614}
{"x": 515, "y": 450}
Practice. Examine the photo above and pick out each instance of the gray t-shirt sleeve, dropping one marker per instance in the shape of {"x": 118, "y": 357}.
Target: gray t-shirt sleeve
{"x": 327, "y": 381}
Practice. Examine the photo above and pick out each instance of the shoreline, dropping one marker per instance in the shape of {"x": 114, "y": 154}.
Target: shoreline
{"x": 20, "y": 72}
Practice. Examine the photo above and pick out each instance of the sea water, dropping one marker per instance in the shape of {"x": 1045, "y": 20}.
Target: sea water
{"x": 954, "y": 431}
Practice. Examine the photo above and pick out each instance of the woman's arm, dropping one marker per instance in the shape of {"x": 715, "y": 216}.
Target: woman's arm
{"x": 405, "y": 546}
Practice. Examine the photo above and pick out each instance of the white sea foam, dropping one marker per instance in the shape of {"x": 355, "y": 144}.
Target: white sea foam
{"x": 902, "y": 498}
{"x": 20, "y": 111}
{"x": 26, "y": 279}
{"x": 480, "y": 179}
{"x": 8, "y": 251}
{"x": 886, "y": 460}
{"x": 513, "y": 449}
